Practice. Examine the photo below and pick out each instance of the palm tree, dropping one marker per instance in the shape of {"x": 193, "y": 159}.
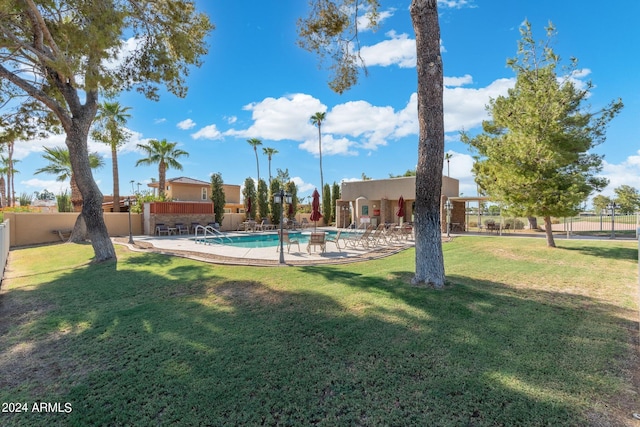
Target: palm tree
{"x": 447, "y": 157}
{"x": 317, "y": 120}
{"x": 60, "y": 165}
{"x": 269, "y": 152}
{"x": 254, "y": 142}
{"x": 164, "y": 153}
{"x": 111, "y": 119}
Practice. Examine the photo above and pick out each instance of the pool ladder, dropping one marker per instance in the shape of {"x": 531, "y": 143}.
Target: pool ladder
{"x": 210, "y": 235}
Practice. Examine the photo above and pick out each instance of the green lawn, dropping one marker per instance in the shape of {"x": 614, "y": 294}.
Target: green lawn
{"x": 521, "y": 335}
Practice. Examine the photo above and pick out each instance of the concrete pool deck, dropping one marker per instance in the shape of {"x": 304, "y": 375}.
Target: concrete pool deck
{"x": 185, "y": 246}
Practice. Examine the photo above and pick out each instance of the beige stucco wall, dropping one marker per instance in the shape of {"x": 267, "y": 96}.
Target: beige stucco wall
{"x": 378, "y": 199}
{"x": 36, "y": 228}
{"x": 392, "y": 188}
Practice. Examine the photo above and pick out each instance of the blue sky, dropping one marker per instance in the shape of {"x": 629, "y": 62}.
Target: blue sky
{"x": 257, "y": 83}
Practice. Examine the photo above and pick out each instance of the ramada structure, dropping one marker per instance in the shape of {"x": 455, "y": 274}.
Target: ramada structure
{"x": 375, "y": 201}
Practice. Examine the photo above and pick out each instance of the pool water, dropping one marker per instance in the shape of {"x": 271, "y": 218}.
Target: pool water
{"x": 266, "y": 240}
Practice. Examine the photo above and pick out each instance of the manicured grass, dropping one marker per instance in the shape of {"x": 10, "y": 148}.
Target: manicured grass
{"x": 521, "y": 335}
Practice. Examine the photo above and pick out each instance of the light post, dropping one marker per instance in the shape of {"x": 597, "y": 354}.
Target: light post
{"x": 345, "y": 209}
{"x": 127, "y": 203}
{"x": 612, "y": 207}
{"x": 448, "y": 207}
{"x": 281, "y": 198}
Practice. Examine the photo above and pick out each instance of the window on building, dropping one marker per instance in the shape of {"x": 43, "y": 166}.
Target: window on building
{"x": 204, "y": 193}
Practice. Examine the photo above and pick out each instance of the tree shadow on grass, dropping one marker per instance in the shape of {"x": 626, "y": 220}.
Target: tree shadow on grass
{"x": 235, "y": 351}
{"x": 613, "y": 252}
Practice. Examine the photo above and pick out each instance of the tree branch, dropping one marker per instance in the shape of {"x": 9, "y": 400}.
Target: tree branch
{"x": 38, "y": 94}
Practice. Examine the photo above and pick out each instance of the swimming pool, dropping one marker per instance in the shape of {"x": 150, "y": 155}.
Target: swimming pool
{"x": 266, "y": 240}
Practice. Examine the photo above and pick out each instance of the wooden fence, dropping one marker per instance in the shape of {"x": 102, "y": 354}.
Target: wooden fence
{"x": 181, "y": 208}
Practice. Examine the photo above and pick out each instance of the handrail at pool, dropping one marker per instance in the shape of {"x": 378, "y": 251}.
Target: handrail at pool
{"x": 208, "y": 232}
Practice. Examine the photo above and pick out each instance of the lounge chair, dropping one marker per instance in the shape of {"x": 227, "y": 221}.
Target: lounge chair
{"x": 288, "y": 241}
{"x": 406, "y": 231}
{"x": 193, "y": 226}
{"x": 335, "y": 240}
{"x": 317, "y": 239}
{"x": 162, "y": 228}
{"x": 378, "y": 236}
{"x": 181, "y": 228}
{"x": 363, "y": 239}
{"x": 305, "y": 223}
{"x": 267, "y": 225}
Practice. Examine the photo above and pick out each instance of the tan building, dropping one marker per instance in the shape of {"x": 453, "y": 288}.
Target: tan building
{"x": 376, "y": 201}
{"x": 185, "y": 189}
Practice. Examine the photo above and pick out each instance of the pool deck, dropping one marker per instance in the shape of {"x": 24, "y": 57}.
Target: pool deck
{"x": 185, "y": 246}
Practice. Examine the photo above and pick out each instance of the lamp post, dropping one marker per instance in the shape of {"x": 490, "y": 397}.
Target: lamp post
{"x": 127, "y": 203}
{"x": 281, "y": 198}
{"x": 344, "y": 209}
{"x": 612, "y": 207}
{"x": 448, "y": 206}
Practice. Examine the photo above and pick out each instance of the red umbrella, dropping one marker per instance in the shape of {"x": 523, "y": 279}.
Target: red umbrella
{"x": 400, "y": 211}
{"x": 315, "y": 207}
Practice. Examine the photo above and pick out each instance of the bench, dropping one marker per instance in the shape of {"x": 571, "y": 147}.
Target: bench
{"x": 63, "y": 234}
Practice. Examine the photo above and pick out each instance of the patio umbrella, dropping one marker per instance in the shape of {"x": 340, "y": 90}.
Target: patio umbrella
{"x": 400, "y": 211}
{"x": 249, "y": 207}
{"x": 315, "y": 208}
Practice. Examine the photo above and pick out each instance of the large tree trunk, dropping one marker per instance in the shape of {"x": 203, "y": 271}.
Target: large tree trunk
{"x": 92, "y": 197}
{"x": 116, "y": 183}
{"x": 76, "y": 196}
{"x": 429, "y": 258}
{"x": 549, "y": 232}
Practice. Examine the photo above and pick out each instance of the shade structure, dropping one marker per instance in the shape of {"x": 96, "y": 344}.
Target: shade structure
{"x": 315, "y": 207}
{"x": 400, "y": 211}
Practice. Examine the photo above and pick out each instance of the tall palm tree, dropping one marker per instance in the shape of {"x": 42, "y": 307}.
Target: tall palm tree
{"x": 165, "y": 154}
{"x": 110, "y": 121}
{"x": 448, "y": 157}
{"x": 254, "y": 142}
{"x": 317, "y": 120}
{"x": 269, "y": 152}
{"x": 60, "y": 165}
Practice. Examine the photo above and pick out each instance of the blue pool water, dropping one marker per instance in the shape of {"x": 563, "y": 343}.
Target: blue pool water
{"x": 265, "y": 240}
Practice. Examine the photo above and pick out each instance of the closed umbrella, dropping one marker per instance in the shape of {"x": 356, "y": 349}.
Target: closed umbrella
{"x": 400, "y": 211}
{"x": 315, "y": 208}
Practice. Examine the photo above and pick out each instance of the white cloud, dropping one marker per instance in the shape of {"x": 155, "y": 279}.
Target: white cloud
{"x": 363, "y": 21}
{"x": 158, "y": 121}
{"x": 330, "y": 146}
{"x": 281, "y": 118}
{"x": 625, "y": 173}
{"x": 458, "y": 81}
{"x": 399, "y": 50}
{"x": 455, "y": 4}
{"x": 56, "y": 187}
{"x": 231, "y": 119}
{"x": 186, "y": 124}
{"x": 208, "y": 132}
{"x": 358, "y": 125}
{"x": 303, "y": 187}
{"x": 464, "y": 108}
